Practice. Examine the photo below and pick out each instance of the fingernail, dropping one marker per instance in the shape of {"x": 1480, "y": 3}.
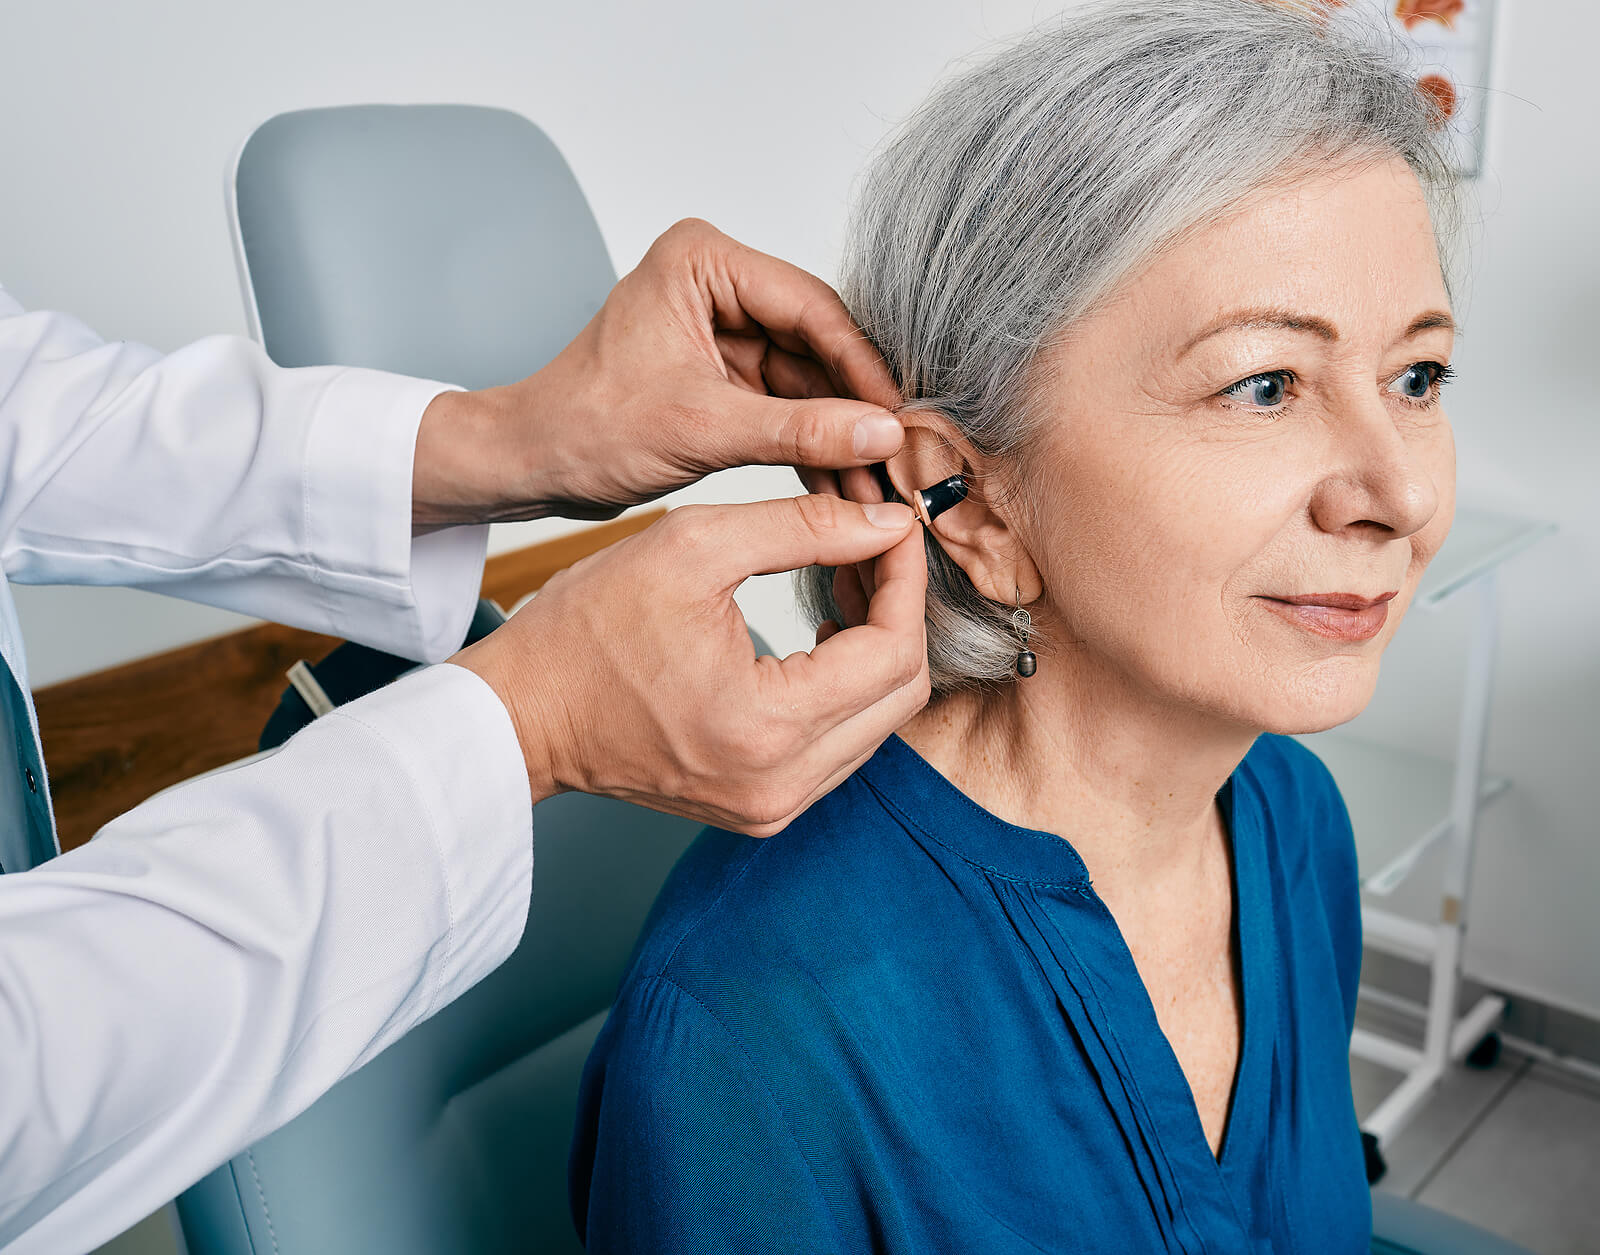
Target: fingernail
{"x": 877, "y": 436}
{"x": 890, "y": 514}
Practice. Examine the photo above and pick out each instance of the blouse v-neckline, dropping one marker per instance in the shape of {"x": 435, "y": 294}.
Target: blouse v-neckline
{"x": 1032, "y": 856}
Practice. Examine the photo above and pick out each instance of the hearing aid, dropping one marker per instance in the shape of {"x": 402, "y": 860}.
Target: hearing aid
{"x": 929, "y": 503}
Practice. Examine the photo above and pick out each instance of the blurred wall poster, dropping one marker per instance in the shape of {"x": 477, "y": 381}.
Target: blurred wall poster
{"x": 1448, "y": 44}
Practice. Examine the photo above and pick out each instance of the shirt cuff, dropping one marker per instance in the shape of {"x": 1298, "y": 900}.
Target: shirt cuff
{"x": 411, "y": 596}
{"x": 454, "y": 740}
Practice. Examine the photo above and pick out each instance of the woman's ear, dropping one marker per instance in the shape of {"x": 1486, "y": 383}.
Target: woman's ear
{"x": 975, "y": 534}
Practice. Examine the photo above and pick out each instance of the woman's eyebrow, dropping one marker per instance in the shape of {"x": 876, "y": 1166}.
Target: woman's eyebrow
{"x": 1250, "y": 319}
{"x": 1311, "y": 324}
{"x": 1427, "y": 322}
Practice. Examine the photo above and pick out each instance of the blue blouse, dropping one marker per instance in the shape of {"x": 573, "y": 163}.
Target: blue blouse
{"x": 905, "y": 1025}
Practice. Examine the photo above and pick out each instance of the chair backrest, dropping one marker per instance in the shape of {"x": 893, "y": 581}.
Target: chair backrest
{"x": 446, "y": 241}
{"x": 454, "y": 243}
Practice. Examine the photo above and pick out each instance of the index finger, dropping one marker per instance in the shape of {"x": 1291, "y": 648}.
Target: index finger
{"x": 855, "y": 669}
{"x": 802, "y": 314}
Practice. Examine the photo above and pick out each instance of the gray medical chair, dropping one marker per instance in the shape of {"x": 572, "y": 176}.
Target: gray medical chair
{"x": 1402, "y": 1227}
{"x": 454, "y": 243}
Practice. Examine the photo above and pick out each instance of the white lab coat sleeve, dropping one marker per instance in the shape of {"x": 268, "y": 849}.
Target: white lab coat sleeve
{"x": 214, "y": 475}
{"x": 216, "y": 959}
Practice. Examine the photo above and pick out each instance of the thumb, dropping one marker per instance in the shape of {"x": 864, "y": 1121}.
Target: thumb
{"x": 825, "y": 432}
{"x": 735, "y": 542}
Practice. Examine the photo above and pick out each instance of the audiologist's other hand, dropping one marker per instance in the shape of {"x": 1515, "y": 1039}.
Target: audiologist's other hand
{"x": 632, "y": 674}
{"x": 708, "y": 355}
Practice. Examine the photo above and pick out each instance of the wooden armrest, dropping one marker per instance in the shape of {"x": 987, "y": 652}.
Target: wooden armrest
{"x": 116, "y": 737}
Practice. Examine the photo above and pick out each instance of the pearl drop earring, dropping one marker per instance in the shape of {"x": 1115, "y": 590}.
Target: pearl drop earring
{"x": 1022, "y": 624}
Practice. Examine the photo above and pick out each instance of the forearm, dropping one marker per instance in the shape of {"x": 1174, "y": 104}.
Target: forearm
{"x": 215, "y": 475}
{"x": 217, "y": 958}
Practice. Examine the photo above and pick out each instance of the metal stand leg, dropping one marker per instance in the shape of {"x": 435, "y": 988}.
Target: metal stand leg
{"x": 1446, "y": 1038}
{"x": 1472, "y": 736}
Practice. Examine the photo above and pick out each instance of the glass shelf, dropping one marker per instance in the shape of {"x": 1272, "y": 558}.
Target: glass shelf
{"x": 1402, "y": 804}
{"x": 1478, "y": 542}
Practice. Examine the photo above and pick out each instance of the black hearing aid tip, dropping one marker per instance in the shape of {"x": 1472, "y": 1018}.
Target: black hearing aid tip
{"x": 939, "y": 498}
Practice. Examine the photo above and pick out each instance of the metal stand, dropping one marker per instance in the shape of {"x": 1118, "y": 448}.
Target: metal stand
{"x": 1401, "y": 805}
{"x": 1446, "y": 1039}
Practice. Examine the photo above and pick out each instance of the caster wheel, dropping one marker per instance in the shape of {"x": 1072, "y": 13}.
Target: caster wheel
{"x": 1486, "y": 1053}
{"x": 1376, "y": 1166}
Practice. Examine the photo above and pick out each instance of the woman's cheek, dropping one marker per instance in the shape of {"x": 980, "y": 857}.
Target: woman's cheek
{"x": 1232, "y": 508}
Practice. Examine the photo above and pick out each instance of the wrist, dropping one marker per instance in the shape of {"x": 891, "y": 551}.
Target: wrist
{"x": 535, "y": 720}
{"x": 477, "y": 459}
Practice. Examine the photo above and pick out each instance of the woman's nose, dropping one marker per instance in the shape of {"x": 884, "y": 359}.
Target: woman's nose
{"x": 1382, "y": 473}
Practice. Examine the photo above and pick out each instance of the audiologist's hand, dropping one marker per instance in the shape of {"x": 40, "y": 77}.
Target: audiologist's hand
{"x": 632, "y": 673}
{"x": 708, "y": 355}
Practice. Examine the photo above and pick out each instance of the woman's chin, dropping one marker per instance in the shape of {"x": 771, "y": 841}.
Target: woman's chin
{"x": 1315, "y": 704}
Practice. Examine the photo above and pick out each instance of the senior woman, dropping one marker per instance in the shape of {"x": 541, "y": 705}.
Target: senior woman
{"x": 1071, "y": 963}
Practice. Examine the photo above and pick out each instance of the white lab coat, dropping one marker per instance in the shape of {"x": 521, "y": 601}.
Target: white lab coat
{"x": 215, "y": 959}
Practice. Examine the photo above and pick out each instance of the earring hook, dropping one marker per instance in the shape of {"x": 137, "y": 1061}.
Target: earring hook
{"x": 1022, "y": 624}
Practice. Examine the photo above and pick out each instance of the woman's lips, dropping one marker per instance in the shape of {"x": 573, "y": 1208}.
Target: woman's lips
{"x": 1339, "y": 616}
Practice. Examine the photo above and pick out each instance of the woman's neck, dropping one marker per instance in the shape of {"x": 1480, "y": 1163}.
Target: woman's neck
{"x": 1129, "y": 780}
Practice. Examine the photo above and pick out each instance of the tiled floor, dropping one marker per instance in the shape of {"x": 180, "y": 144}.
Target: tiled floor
{"x": 1514, "y": 1149}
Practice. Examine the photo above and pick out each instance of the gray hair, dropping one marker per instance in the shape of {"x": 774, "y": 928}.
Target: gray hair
{"x": 1017, "y": 198}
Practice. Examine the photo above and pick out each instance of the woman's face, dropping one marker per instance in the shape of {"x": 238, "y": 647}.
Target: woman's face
{"x": 1254, "y": 421}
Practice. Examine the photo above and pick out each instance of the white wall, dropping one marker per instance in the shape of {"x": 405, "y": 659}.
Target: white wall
{"x": 1528, "y": 434}
{"x": 121, "y": 118}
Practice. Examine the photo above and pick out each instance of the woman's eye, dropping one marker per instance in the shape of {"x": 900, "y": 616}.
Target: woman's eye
{"x": 1264, "y": 391}
{"x": 1419, "y": 381}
